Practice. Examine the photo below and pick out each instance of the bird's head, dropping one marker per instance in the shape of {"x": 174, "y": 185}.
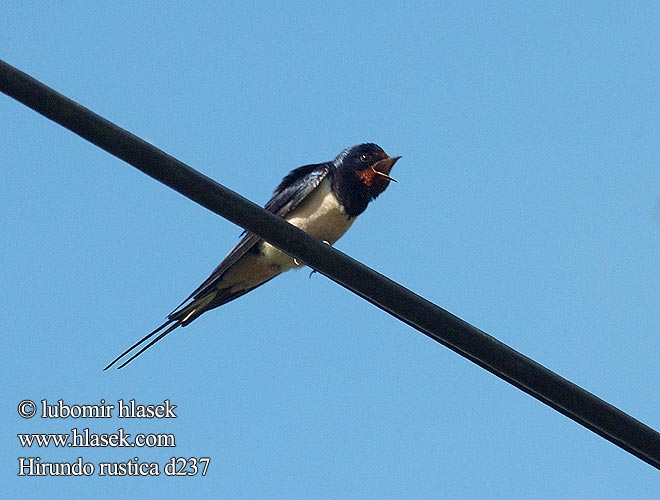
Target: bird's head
{"x": 369, "y": 165}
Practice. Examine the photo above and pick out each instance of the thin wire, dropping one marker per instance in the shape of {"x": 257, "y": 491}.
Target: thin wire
{"x": 433, "y": 321}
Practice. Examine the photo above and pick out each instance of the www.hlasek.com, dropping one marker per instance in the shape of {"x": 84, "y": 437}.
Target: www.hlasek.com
{"x": 85, "y": 438}
{"x": 88, "y": 439}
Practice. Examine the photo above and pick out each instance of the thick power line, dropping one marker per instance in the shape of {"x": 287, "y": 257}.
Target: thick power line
{"x": 433, "y": 321}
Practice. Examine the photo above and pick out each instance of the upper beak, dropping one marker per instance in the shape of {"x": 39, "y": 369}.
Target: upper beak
{"x": 384, "y": 166}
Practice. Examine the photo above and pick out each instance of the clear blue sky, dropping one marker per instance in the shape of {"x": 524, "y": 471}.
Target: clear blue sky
{"x": 528, "y": 203}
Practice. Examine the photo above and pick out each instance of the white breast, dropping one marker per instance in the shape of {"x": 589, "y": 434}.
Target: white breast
{"x": 320, "y": 215}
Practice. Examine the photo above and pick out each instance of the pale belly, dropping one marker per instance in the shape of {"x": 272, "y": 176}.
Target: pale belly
{"x": 320, "y": 215}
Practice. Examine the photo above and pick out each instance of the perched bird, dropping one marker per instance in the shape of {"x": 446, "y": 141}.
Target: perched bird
{"x": 321, "y": 199}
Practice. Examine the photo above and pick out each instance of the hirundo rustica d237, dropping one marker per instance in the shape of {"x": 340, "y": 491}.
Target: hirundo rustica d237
{"x": 322, "y": 199}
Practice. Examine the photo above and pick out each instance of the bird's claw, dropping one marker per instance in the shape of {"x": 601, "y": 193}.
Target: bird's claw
{"x": 314, "y": 271}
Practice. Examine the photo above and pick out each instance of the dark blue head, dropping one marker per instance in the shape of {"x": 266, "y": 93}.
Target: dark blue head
{"x": 362, "y": 173}
{"x": 360, "y": 154}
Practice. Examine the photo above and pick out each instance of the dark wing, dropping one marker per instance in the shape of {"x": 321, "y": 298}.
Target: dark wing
{"x": 293, "y": 189}
{"x": 287, "y": 196}
{"x": 296, "y": 186}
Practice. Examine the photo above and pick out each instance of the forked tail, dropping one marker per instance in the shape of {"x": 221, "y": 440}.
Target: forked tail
{"x": 177, "y": 318}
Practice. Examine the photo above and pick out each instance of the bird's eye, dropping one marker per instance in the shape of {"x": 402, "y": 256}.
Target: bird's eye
{"x": 364, "y": 158}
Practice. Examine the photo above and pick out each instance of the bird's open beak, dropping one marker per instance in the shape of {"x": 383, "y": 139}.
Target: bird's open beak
{"x": 384, "y": 166}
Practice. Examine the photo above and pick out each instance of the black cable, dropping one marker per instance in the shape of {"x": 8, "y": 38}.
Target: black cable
{"x": 433, "y": 321}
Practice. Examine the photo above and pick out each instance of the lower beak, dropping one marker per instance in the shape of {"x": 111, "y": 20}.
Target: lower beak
{"x": 384, "y": 166}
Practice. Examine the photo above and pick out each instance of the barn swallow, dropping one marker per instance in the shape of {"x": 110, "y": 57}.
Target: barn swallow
{"x": 322, "y": 199}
